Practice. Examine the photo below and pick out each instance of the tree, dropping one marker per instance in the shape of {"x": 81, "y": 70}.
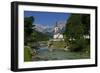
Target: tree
{"x": 31, "y": 36}
{"x": 28, "y": 29}
{"x": 77, "y": 26}
{"x": 86, "y": 23}
{"x": 74, "y": 27}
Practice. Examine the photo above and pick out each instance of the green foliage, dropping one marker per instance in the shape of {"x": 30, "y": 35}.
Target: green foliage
{"x": 28, "y": 29}
{"x": 74, "y": 27}
{"x": 86, "y": 23}
{"x": 31, "y": 36}
{"x": 27, "y": 54}
{"x": 58, "y": 44}
{"x": 28, "y": 25}
{"x": 77, "y": 26}
{"x": 78, "y": 45}
{"x": 38, "y": 36}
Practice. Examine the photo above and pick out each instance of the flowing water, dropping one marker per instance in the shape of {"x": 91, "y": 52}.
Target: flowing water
{"x": 45, "y": 54}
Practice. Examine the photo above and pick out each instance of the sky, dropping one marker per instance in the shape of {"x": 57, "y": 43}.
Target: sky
{"x": 47, "y": 18}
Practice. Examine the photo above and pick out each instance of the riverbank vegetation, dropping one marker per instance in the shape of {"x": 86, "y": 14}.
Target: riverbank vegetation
{"x": 78, "y": 26}
{"x": 31, "y": 38}
{"x": 27, "y": 54}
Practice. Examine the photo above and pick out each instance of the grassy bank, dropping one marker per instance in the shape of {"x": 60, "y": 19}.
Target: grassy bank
{"x": 59, "y": 44}
{"x": 27, "y": 54}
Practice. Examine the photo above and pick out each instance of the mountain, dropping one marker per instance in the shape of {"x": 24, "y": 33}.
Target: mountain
{"x": 50, "y": 30}
{"x": 43, "y": 29}
{"x": 40, "y": 28}
{"x": 61, "y": 24}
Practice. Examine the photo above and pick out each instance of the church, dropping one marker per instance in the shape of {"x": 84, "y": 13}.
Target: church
{"x": 58, "y": 36}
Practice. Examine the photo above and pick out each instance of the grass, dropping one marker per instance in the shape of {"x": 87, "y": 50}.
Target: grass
{"x": 27, "y": 54}
{"x": 59, "y": 44}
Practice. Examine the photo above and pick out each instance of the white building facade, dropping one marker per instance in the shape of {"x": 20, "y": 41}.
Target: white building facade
{"x": 57, "y": 34}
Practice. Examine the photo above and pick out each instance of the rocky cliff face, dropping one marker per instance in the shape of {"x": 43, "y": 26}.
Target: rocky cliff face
{"x": 50, "y": 30}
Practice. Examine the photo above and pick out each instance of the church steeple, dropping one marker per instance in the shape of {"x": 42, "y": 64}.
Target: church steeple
{"x": 57, "y": 35}
{"x": 56, "y": 24}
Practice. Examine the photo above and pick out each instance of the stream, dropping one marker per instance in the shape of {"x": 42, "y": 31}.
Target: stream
{"x": 45, "y": 54}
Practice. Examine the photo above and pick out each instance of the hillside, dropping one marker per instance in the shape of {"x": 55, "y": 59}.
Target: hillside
{"x": 39, "y": 36}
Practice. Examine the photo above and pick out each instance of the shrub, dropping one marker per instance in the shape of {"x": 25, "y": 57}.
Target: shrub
{"x": 27, "y": 54}
{"x": 78, "y": 45}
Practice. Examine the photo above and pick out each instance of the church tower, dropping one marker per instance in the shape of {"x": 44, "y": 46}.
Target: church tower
{"x": 57, "y": 33}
